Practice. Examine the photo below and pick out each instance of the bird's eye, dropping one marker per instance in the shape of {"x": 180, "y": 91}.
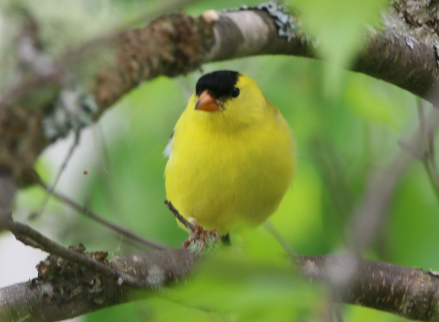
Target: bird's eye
{"x": 235, "y": 92}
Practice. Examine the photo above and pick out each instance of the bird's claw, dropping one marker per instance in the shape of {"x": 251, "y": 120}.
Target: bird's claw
{"x": 201, "y": 234}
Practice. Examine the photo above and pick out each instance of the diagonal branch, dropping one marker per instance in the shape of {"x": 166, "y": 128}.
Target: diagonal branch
{"x": 57, "y": 177}
{"x": 32, "y": 238}
{"x": 178, "y": 44}
{"x": 94, "y": 216}
{"x": 380, "y": 188}
{"x": 179, "y": 217}
{"x": 235, "y": 34}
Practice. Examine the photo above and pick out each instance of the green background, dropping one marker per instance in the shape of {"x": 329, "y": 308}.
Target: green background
{"x": 345, "y": 125}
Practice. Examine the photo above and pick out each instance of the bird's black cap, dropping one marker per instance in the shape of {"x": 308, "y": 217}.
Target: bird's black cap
{"x": 219, "y": 83}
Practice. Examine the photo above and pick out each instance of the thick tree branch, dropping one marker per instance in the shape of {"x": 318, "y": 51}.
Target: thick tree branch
{"x": 396, "y": 59}
{"x": 63, "y": 292}
{"x": 177, "y": 44}
{"x": 408, "y": 292}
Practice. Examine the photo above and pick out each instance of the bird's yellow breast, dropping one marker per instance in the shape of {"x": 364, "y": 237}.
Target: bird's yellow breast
{"x": 227, "y": 177}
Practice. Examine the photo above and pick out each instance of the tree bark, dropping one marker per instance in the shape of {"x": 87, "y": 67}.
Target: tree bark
{"x": 177, "y": 44}
{"x": 66, "y": 290}
{"x": 60, "y": 294}
{"x": 408, "y": 292}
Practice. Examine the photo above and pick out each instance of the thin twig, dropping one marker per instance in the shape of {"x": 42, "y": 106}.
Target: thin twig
{"x": 428, "y": 154}
{"x": 58, "y": 176}
{"x": 179, "y": 217}
{"x": 94, "y": 216}
{"x": 381, "y": 187}
{"x": 432, "y": 175}
{"x": 32, "y": 238}
{"x": 338, "y": 314}
{"x": 373, "y": 209}
{"x": 273, "y": 231}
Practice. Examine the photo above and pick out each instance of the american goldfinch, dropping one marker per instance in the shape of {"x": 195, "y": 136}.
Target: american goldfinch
{"x": 231, "y": 156}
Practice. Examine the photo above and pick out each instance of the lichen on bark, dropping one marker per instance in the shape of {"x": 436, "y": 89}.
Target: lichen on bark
{"x": 417, "y": 19}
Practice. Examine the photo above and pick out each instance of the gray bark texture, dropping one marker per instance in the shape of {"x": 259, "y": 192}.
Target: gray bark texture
{"x": 65, "y": 290}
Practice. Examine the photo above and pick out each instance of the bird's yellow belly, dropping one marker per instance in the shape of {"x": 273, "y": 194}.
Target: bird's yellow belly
{"x": 228, "y": 185}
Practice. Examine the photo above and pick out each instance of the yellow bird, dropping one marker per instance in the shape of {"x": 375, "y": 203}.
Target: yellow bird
{"x": 231, "y": 156}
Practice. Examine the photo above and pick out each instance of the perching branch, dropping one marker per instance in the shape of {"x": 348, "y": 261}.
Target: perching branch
{"x": 63, "y": 293}
{"x": 408, "y": 292}
{"x": 72, "y": 279}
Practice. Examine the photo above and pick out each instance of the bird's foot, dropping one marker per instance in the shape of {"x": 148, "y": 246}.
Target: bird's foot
{"x": 201, "y": 234}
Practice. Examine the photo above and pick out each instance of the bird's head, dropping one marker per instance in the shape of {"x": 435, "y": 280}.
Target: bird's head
{"x": 227, "y": 98}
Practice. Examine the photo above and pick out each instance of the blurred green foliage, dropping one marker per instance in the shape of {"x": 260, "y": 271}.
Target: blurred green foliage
{"x": 345, "y": 125}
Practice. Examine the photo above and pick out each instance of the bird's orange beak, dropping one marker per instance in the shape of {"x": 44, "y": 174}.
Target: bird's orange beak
{"x": 207, "y": 102}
